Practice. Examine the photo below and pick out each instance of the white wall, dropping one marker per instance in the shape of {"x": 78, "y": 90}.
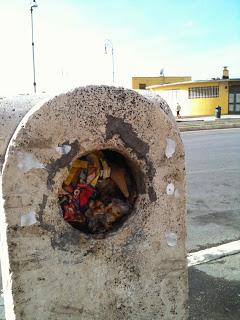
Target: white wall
{"x": 174, "y": 96}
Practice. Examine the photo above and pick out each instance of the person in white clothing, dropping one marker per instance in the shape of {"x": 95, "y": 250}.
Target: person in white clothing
{"x": 178, "y": 109}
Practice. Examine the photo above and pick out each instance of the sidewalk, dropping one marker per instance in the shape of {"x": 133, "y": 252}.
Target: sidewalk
{"x": 207, "y": 123}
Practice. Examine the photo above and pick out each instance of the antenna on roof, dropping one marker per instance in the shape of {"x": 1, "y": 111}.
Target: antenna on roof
{"x": 162, "y": 72}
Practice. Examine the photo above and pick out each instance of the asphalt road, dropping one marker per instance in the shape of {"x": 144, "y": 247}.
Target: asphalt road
{"x": 213, "y": 184}
{"x": 214, "y": 290}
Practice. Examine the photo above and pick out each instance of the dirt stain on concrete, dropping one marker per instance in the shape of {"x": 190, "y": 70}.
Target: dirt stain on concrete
{"x": 62, "y": 162}
{"x": 131, "y": 140}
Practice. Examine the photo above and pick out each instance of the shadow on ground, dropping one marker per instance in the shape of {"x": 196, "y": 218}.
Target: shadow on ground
{"x": 212, "y": 298}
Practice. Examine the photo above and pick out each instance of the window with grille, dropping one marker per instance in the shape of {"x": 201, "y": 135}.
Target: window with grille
{"x": 203, "y": 92}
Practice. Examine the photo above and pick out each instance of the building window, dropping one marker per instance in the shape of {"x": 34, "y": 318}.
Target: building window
{"x": 142, "y": 86}
{"x": 203, "y": 92}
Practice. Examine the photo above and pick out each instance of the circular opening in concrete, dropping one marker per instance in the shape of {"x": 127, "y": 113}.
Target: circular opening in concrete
{"x": 99, "y": 192}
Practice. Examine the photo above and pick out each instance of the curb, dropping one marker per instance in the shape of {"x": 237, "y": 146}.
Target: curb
{"x": 207, "y": 126}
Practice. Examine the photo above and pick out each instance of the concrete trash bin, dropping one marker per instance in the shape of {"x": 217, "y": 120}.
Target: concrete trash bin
{"x": 56, "y": 265}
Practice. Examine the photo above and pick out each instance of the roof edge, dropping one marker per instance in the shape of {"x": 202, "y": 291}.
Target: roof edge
{"x": 191, "y": 82}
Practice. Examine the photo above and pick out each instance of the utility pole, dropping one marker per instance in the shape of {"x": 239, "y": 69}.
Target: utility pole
{"x": 33, "y": 5}
{"x": 108, "y": 43}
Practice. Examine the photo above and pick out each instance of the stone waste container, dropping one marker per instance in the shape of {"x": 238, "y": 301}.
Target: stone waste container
{"x": 93, "y": 210}
{"x": 12, "y": 110}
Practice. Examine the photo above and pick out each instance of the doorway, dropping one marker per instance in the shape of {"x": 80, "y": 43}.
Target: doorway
{"x": 234, "y": 100}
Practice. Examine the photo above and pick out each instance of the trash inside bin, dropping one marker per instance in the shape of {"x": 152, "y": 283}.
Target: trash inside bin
{"x": 98, "y": 192}
{"x": 218, "y": 112}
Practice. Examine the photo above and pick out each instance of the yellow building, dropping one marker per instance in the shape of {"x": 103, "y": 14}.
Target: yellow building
{"x": 200, "y": 98}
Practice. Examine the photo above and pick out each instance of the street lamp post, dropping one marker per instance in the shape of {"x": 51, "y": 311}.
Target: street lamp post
{"x": 33, "y": 5}
{"x": 108, "y": 43}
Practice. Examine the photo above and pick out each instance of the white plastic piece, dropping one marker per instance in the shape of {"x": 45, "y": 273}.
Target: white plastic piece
{"x": 63, "y": 149}
{"x": 170, "y": 189}
{"x": 170, "y": 148}
{"x": 28, "y": 219}
{"x": 26, "y": 162}
{"x": 171, "y": 239}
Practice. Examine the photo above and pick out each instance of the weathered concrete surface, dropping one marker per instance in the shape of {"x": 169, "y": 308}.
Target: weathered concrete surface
{"x": 2, "y": 314}
{"x": 137, "y": 272}
{"x": 158, "y": 101}
{"x": 12, "y": 110}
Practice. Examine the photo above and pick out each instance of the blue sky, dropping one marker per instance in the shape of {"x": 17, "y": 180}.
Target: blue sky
{"x": 194, "y": 38}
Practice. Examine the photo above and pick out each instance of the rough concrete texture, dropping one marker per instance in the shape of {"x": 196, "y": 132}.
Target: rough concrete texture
{"x": 12, "y": 110}
{"x": 2, "y": 316}
{"x": 159, "y": 101}
{"x": 57, "y": 272}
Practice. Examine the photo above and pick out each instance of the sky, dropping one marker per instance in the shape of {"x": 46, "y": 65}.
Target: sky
{"x": 185, "y": 37}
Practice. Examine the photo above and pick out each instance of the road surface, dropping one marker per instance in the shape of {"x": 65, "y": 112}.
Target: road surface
{"x": 213, "y": 179}
{"x": 213, "y": 184}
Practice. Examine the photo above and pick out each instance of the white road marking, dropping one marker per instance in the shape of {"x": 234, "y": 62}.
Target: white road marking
{"x": 213, "y": 253}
